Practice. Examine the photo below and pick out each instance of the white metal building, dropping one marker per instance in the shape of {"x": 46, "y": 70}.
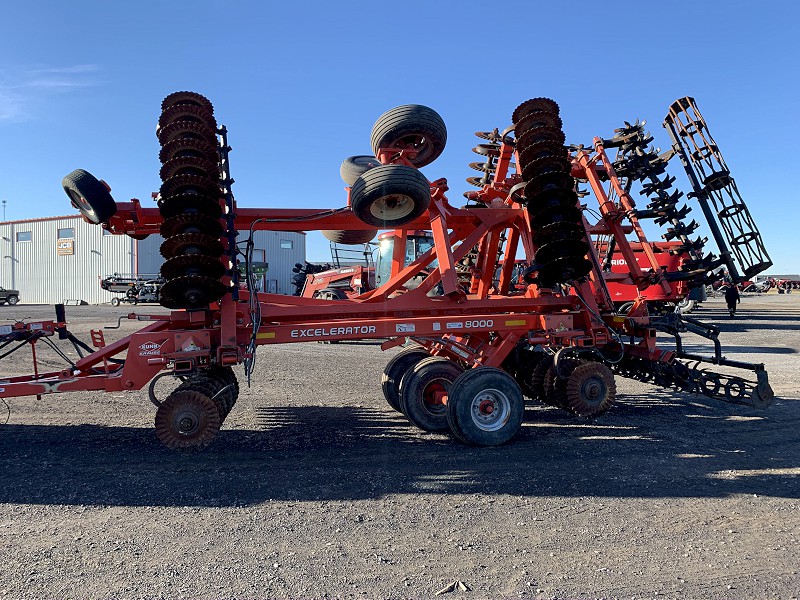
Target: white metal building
{"x": 54, "y": 259}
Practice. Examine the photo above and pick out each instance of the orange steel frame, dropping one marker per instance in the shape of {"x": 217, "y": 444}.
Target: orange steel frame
{"x": 479, "y": 327}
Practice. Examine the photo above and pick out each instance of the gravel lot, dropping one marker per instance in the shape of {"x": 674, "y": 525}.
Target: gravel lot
{"x": 315, "y": 488}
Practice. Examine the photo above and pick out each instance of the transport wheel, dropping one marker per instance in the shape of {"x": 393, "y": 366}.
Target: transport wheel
{"x": 390, "y": 195}
{"x": 115, "y": 302}
{"x": 12, "y": 300}
{"x": 90, "y": 196}
{"x": 411, "y": 127}
{"x": 354, "y": 167}
{"x": 421, "y": 390}
{"x": 590, "y": 389}
{"x": 394, "y": 371}
{"x": 187, "y": 419}
{"x": 353, "y": 236}
{"x": 485, "y": 407}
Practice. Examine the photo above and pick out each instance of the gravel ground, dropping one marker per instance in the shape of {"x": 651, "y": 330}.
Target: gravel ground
{"x": 315, "y": 488}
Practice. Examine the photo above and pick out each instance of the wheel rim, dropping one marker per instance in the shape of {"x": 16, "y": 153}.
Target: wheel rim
{"x": 430, "y": 401}
{"x": 490, "y": 410}
{"x": 392, "y": 207}
{"x": 81, "y": 204}
{"x": 416, "y": 142}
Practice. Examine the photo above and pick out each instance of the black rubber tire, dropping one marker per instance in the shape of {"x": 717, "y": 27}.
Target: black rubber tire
{"x": 12, "y": 300}
{"x": 354, "y": 167}
{"x": 411, "y": 126}
{"x": 115, "y": 302}
{"x": 394, "y": 371}
{"x": 90, "y": 196}
{"x": 390, "y": 195}
{"x": 476, "y": 426}
{"x": 415, "y": 387}
{"x": 350, "y": 236}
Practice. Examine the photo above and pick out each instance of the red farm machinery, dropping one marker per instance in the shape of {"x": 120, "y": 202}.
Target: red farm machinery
{"x": 476, "y": 342}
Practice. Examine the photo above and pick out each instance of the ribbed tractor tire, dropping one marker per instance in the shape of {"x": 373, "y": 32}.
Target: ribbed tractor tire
{"x": 354, "y": 167}
{"x": 411, "y": 127}
{"x": 351, "y": 236}
{"x": 390, "y": 195}
{"x": 90, "y": 196}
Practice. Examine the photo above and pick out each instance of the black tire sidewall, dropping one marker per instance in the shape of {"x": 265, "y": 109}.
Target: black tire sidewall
{"x": 388, "y": 180}
{"x": 394, "y": 371}
{"x": 459, "y": 406}
{"x": 412, "y": 388}
{"x": 97, "y": 206}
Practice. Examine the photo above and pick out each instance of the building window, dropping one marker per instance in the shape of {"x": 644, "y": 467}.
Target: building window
{"x": 67, "y": 233}
{"x": 287, "y": 244}
{"x": 24, "y": 236}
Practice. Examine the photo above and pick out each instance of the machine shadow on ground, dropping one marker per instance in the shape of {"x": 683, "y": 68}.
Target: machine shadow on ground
{"x": 658, "y": 445}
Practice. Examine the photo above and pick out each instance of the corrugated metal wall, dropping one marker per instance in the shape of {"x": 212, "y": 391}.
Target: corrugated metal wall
{"x": 45, "y": 276}
{"x": 281, "y": 260}
{"x": 269, "y": 247}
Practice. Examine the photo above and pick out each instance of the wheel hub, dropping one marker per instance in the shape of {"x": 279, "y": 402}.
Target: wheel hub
{"x": 392, "y": 207}
{"x": 490, "y": 410}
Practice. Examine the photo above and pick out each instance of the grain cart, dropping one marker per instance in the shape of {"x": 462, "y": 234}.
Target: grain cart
{"x": 472, "y": 352}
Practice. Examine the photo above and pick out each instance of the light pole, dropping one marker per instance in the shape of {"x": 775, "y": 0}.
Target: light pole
{"x": 4, "y": 209}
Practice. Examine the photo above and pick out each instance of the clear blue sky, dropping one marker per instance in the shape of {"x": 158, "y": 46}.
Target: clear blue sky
{"x": 299, "y": 85}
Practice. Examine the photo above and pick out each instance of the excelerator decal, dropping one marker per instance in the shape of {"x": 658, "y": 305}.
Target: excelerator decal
{"x": 405, "y": 328}
{"x": 4, "y": 329}
{"x": 456, "y": 325}
{"x": 151, "y": 348}
{"x": 324, "y": 331}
